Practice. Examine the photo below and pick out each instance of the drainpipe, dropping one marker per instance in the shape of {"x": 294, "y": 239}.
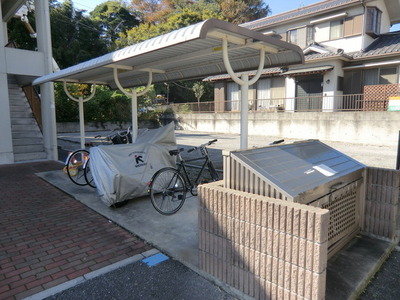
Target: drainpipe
{"x": 244, "y": 83}
{"x": 363, "y": 29}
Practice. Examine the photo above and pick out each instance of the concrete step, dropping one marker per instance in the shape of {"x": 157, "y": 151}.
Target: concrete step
{"x": 27, "y": 134}
{"x": 26, "y": 121}
{"x": 27, "y": 137}
{"x": 19, "y": 102}
{"x": 28, "y": 149}
{"x": 21, "y": 128}
{"x": 20, "y": 108}
{"x": 28, "y": 141}
{"x": 21, "y": 114}
{"x": 29, "y": 156}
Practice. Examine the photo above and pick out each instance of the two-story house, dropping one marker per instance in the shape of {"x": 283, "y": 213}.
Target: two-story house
{"x": 348, "y": 49}
{"x": 21, "y": 136}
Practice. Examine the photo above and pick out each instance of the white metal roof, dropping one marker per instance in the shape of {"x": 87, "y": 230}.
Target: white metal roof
{"x": 187, "y": 53}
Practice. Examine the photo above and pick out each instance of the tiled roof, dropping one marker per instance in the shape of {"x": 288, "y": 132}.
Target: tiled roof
{"x": 315, "y": 55}
{"x": 387, "y": 43}
{"x": 298, "y": 13}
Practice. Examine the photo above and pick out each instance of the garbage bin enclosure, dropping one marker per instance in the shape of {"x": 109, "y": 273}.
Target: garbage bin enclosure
{"x": 307, "y": 172}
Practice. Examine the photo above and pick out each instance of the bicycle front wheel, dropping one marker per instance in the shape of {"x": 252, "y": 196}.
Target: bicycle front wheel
{"x": 167, "y": 191}
{"x": 75, "y": 166}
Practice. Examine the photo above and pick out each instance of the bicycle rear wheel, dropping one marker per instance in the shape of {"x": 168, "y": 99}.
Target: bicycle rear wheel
{"x": 167, "y": 191}
{"x": 75, "y": 166}
{"x": 88, "y": 174}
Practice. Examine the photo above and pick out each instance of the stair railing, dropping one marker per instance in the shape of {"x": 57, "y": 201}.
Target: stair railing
{"x": 34, "y": 102}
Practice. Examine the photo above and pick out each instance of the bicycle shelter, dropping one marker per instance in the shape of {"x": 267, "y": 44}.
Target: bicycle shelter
{"x": 207, "y": 48}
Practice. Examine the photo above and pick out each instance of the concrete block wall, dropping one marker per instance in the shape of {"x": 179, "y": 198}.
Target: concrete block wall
{"x": 382, "y": 203}
{"x": 264, "y": 247}
{"x": 369, "y": 127}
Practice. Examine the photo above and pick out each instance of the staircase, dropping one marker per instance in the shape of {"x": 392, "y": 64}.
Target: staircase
{"x": 26, "y": 135}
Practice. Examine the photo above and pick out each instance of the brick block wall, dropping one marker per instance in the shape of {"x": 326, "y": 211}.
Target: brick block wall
{"x": 382, "y": 202}
{"x": 264, "y": 247}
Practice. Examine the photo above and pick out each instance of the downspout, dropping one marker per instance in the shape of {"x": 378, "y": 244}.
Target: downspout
{"x": 363, "y": 29}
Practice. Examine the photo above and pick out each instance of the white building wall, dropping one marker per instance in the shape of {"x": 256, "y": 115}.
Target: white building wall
{"x": 331, "y": 95}
{"x": 290, "y": 84}
{"x": 6, "y": 147}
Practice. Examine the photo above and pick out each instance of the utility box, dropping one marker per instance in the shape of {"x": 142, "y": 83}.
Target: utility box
{"x": 308, "y": 172}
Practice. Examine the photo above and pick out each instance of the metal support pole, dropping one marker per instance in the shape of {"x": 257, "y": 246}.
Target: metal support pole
{"x": 134, "y": 115}
{"x": 244, "y": 83}
{"x": 133, "y": 94}
{"x": 80, "y": 101}
{"x": 81, "y": 122}
{"x": 244, "y": 112}
{"x": 398, "y": 154}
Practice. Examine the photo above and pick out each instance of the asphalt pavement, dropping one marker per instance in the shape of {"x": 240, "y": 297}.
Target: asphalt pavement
{"x": 168, "y": 279}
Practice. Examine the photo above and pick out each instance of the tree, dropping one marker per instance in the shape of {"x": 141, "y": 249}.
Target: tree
{"x": 153, "y": 11}
{"x": 240, "y": 11}
{"x": 75, "y": 37}
{"x": 113, "y": 17}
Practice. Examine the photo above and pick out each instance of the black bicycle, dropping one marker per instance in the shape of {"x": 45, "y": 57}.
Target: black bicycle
{"x": 169, "y": 186}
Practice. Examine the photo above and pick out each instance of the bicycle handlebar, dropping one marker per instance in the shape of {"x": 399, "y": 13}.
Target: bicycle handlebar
{"x": 202, "y": 145}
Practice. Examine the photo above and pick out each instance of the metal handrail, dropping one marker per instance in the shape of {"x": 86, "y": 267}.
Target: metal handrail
{"x": 340, "y": 103}
{"x": 35, "y": 103}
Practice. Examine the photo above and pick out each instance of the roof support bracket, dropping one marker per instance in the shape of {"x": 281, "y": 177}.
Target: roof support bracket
{"x": 80, "y": 100}
{"x": 133, "y": 93}
{"x": 244, "y": 83}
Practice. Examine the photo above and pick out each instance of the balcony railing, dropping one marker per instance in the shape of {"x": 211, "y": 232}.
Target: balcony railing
{"x": 354, "y": 102}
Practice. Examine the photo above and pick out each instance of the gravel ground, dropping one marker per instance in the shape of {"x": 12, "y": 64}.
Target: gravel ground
{"x": 386, "y": 283}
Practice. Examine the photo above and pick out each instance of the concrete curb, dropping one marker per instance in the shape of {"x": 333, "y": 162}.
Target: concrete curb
{"x": 69, "y": 284}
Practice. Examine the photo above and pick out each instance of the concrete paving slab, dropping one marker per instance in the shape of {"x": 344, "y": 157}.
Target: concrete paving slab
{"x": 353, "y": 267}
{"x": 175, "y": 235}
{"x": 347, "y": 275}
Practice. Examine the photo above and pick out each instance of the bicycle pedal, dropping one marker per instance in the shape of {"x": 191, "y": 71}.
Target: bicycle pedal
{"x": 180, "y": 197}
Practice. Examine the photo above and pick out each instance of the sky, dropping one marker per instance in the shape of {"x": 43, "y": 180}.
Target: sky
{"x": 276, "y": 6}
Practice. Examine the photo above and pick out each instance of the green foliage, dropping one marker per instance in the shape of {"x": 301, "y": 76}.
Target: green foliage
{"x": 114, "y": 18}
{"x": 107, "y": 105}
{"x": 198, "y": 90}
{"x": 75, "y": 37}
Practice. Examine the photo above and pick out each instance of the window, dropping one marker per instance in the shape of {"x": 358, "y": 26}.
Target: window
{"x": 301, "y": 36}
{"x": 310, "y": 35}
{"x": 388, "y": 76}
{"x": 380, "y": 76}
{"x": 336, "y": 29}
{"x": 373, "y": 26}
{"x": 346, "y": 27}
{"x": 371, "y": 77}
{"x": 277, "y": 88}
{"x": 352, "y": 25}
{"x": 292, "y": 36}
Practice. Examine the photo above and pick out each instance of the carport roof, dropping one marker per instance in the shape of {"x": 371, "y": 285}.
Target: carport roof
{"x": 187, "y": 53}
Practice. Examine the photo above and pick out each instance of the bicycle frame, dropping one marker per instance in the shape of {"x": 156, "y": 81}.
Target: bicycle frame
{"x": 182, "y": 168}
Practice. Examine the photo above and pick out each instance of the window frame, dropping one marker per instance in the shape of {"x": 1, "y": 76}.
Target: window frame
{"x": 373, "y": 22}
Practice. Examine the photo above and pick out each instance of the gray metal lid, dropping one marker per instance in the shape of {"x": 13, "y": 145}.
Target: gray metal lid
{"x": 298, "y": 167}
